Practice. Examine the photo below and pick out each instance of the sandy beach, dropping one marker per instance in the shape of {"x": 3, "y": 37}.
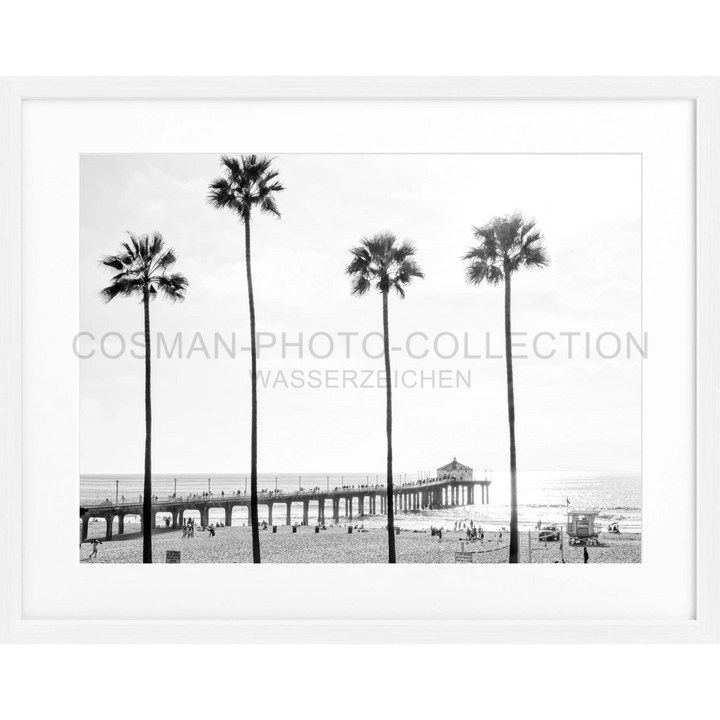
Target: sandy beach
{"x": 336, "y": 545}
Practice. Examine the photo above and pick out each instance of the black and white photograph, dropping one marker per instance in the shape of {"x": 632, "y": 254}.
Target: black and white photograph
{"x": 342, "y": 347}
{"x": 360, "y": 358}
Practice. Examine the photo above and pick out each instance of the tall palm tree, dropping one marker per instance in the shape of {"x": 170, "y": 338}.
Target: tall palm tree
{"x": 143, "y": 271}
{"x": 505, "y": 245}
{"x": 384, "y": 263}
{"x": 247, "y": 184}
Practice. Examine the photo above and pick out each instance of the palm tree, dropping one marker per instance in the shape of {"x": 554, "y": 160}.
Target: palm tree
{"x": 383, "y": 262}
{"x": 505, "y": 245}
{"x": 248, "y": 183}
{"x": 143, "y": 266}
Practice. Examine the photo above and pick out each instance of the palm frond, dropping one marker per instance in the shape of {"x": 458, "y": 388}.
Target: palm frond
{"x": 379, "y": 247}
{"x": 361, "y": 261}
{"x": 405, "y": 273}
{"x": 360, "y": 285}
{"x": 269, "y": 175}
{"x": 480, "y": 254}
{"x": 529, "y": 229}
{"x": 136, "y": 245}
{"x": 400, "y": 253}
{"x": 488, "y": 247}
{"x": 481, "y": 271}
{"x": 125, "y": 286}
{"x": 535, "y": 256}
{"x": 166, "y": 259}
{"x": 172, "y": 286}
{"x": 155, "y": 244}
{"x": 268, "y": 206}
{"x": 220, "y": 194}
{"x": 256, "y": 167}
{"x": 232, "y": 164}
{"x": 112, "y": 261}
{"x": 129, "y": 252}
{"x": 109, "y": 293}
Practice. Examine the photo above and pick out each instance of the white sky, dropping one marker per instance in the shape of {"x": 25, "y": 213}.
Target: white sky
{"x": 576, "y": 414}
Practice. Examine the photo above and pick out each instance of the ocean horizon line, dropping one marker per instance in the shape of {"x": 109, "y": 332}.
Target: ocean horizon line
{"x": 296, "y": 473}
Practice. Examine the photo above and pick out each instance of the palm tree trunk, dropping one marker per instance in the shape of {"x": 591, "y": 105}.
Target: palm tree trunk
{"x": 147, "y": 485}
{"x": 253, "y": 432}
{"x": 388, "y": 383}
{"x": 514, "y": 539}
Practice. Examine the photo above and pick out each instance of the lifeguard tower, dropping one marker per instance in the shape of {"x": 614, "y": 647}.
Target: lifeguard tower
{"x": 581, "y": 527}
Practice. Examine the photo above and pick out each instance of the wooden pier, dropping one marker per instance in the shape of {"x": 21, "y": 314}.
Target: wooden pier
{"x": 348, "y": 502}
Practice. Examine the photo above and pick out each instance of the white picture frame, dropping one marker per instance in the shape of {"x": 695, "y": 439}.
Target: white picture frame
{"x": 703, "y": 92}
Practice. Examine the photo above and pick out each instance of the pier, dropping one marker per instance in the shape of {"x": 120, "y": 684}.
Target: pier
{"x": 346, "y": 502}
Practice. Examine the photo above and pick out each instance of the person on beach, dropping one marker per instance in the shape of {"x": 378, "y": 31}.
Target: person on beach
{"x": 586, "y": 555}
{"x": 95, "y": 544}
{"x": 185, "y": 532}
{"x": 212, "y": 532}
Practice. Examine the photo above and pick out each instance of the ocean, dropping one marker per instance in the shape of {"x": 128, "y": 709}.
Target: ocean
{"x": 542, "y": 496}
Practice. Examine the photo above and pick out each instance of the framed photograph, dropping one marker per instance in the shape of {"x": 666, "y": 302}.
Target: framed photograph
{"x": 325, "y": 342}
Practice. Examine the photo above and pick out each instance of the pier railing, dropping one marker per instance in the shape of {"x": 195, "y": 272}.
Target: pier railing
{"x": 284, "y": 494}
